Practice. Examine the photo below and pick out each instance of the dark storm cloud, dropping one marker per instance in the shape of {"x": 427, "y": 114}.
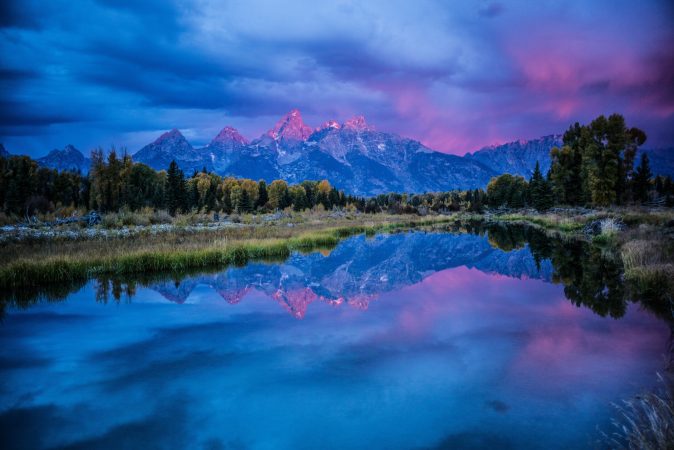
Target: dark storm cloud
{"x": 100, "y": 71}
{"x": 14, "y": 15}
{"x": 17, "y": 74}
{"x": 18, "y": 114}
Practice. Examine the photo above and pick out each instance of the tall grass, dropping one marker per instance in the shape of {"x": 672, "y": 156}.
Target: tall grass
{"x": 649, "y": 267}
{"x": 216, "y": 253}
{"x": 548, "y": 221}
{"x": 646, "y": 422}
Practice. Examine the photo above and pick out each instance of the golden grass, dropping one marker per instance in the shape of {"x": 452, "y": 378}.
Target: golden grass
{"x": 56, "y": 261}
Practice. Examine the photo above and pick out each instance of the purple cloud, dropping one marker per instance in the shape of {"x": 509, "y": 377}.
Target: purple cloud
{"x": 456, "y": 77}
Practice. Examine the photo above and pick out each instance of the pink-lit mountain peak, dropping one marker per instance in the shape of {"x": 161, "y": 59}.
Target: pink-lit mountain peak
{"x": 229, "y": 135}
{"x": 358, "y": 123}
{"x": 291, "y": 127}
{"x": 172, "y": 135}
{"x": 330, "y": 124}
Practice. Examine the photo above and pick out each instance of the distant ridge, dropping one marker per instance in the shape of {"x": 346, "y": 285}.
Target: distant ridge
{"x": 518, "y": 157}
{"x": 69, "y": 158}
{"x": 353, "y": 156}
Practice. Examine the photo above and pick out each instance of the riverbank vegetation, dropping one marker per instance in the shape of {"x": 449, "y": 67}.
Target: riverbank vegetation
{"x": 647, "y": 420}
{"x": 592, "y": 191}
{"x": 595, "y": 167}
{"x": 38, "y": 262}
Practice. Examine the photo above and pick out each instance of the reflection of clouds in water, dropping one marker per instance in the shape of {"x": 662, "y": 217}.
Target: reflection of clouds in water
{"x": 475, "y": 440}
{"x": 360, "y": 269}
{"x": 166, "y": 427}
{"x": 462, "y": 354}
{"x": 24, "y": 428}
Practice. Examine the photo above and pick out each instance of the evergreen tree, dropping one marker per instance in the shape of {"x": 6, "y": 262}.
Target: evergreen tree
{"x": 298, "y": 197}
{"x": 262, "y": 197}
{"x": 540, "y": 193}
{"x": 642, "y": 179}
{"x": 333, "y": 197}
{"x": 595, "y": 164}
{"x": 175, "y": 189}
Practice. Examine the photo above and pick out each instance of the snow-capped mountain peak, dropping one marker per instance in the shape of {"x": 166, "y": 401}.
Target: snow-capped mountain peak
{"x": 229, "y": 135}
{"x": 330, "y": 124}
{"x": 290, "y": 127}
{"x": 358, "y": 123}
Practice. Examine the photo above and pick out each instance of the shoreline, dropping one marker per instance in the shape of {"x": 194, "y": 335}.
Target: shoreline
{"x": 27, "y": 270}
{"x": 69, "y": 255}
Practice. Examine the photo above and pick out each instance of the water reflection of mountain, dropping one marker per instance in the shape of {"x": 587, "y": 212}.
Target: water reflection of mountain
{"x": 361, "y": 268}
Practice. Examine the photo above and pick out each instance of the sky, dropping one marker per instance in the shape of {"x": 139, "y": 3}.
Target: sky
{"x": 456, "y": 75}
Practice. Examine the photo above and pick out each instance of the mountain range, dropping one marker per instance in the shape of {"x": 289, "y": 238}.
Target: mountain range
{"x": 353, "y": 156}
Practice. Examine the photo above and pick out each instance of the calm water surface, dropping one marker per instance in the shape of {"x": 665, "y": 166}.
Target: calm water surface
{"x": 399, "y": 341}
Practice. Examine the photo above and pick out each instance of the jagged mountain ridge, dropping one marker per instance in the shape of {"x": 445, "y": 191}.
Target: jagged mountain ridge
{"x": 353, "y": 156}
{"x": 69, "y": 158}
{"x": 359, "y": 269}
{"x": 171, "y": 145}
{"x": 360, "y": 160}
{"x": 518, "y": 157}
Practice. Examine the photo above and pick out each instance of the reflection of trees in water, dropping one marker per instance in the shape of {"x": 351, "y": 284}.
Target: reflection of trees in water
{"x": 106, "y": 288}
{"x": 28, "y": 296}
{"x": 591, "y": 276}
{"x": 115, "y": 288}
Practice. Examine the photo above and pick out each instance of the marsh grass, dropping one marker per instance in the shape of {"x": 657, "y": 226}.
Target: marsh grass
{"x": 74, "y": 261}
{"x": 648, "y": 259}
{"x": 646, "y": 422}
{"x": 553, "y": 221}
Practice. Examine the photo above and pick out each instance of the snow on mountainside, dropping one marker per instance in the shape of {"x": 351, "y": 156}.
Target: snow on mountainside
{"x": 225, "y": 149}
{"x": 353, "y": 156}
{"x": 67, "y": 159}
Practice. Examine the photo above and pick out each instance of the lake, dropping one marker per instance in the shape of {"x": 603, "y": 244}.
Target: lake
{"x": 470, "y": 339}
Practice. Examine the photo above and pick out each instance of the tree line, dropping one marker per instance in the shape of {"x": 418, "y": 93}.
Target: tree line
{"x": 115, "y": 182}
{"x": 594, "y": 167}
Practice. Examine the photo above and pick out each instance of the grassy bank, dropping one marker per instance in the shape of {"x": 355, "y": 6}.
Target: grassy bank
{"x": 39, "y": 263}
{"x": 643, "y": 238}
